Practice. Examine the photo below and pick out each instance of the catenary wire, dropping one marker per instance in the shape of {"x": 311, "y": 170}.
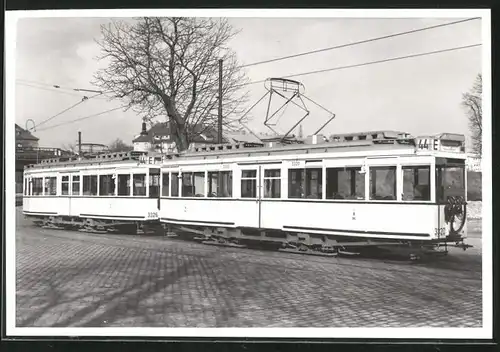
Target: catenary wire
{"x": 371, "y": 62}
{"x": 82, "y": 118}
{"x": 54, "y": 90}
{"x": 84, "y": 99}
{"x": 358, "y": 42}
{"x": 313, "y": 72}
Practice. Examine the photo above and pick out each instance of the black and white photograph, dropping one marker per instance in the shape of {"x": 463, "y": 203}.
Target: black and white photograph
{"x": 217, "y": 173}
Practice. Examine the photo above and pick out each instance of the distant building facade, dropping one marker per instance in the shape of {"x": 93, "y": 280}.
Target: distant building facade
{"x": 159, "y": 138}
{"x": 24, "y": 138}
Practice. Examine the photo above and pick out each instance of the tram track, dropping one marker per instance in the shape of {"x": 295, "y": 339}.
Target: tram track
{"x": 249, "y": 255}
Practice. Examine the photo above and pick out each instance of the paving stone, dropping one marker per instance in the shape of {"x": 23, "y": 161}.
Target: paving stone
{"x": 74, "y": 279}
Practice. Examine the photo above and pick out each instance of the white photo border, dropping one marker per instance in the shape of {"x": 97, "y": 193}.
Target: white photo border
{"x": 486, "y": 332}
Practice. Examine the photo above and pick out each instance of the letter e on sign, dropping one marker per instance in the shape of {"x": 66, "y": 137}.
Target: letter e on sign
{"x": 435, "y": 144}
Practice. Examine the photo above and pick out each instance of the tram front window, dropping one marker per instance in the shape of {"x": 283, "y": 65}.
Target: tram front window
{"x": 450, "y": 180}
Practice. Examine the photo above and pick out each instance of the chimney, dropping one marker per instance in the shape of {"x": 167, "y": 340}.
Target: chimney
{"x": 144, "y": 132}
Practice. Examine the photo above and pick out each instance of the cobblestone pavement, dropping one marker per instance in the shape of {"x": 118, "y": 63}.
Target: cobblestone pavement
{"x": 88, "y": 280}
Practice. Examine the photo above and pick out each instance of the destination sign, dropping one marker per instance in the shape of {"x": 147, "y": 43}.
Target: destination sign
{"x": 436, "y": 144}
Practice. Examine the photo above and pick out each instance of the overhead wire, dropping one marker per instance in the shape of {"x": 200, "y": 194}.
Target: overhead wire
{"x": 84, "y": 99}
{"x": 303, "y": 73}
{"x": 309, "y": 73}
{"x": 371, "y": 62}
{"x": 359, "y": 42}
{"x": 82, "y": 118}
{"x": 54, "y": 90}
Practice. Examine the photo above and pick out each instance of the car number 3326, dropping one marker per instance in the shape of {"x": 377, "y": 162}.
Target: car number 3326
{"x": 152, "y": 214}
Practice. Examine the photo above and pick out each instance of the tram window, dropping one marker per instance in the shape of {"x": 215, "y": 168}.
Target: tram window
{"x": 25, "y": 186}
{"x": 154, "y": 185}
{"x": 37, "y": 186}
{"x": 174, "y": 184}
{"x": 383, "y": 183}
{"x": 314, "y": 182}
{"x": 106, "y": 185}
{"x": 50, "y": 186}
{"x": 165, "y": 184}
{"x": 220, "y": 184}
{"x": 345, "y": 183}
{"x": 124, "y": 185}
{"x": 193, "y": 184}
{"x": 450, "y": 181}
{"x": 249, "y": 184}
{"x": 90, "y": 185}
{"x": 139, "y": 185}
{"x": 309, "y": 186}
{"x": 75, "y": 185}
{"x": 416, "y": 182}
{"x": 272, "y": 183}
{"x": 296, "y": 183}
{"x": 65, "y": 185}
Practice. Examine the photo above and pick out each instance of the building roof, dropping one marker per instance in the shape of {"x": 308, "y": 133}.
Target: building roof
{"x": 161, "y": 132}
{"x": 22, "y": 134}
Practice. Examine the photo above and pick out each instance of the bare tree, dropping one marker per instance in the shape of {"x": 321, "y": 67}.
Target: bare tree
{"x": 472, "y": 102}
{"x": 120, "y": 146}
{"x": 168, "y": 67}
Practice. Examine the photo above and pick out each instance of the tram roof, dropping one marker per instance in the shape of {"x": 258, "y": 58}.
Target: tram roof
{"x": 349, "y": 142}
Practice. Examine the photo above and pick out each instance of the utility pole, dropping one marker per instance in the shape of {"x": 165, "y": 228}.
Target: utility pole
{"x": 79, "y": 143}
{"x": 220, "y": 102}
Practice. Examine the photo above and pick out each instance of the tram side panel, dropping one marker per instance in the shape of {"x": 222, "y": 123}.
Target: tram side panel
{"x": 210, "y": 212}
{"x": 46, "y": 205}
{"x": 395, "y": 220}
{"x": 125, "y": 208}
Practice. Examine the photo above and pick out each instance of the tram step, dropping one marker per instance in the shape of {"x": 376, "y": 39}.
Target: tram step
{"x": 316, "y": 253}
{"x": 212, "y": 243}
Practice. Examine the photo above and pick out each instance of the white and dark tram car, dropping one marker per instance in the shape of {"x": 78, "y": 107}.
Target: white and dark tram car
{"x": 355, "y": 191}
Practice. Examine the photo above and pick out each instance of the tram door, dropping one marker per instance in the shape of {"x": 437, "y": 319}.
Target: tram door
{"x": 251, "y": 191}
{"x": 65, "y": 182}
{"x": 154, "y": 184}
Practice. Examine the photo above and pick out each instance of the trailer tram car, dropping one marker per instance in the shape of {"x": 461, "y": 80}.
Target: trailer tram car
{"x": 110, "y": 192}
{"x": 354, "y": 191}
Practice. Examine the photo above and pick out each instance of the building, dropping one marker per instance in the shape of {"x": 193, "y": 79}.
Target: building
{"x": 28, "y": 152}
{"x": 24, "y": 138}
{"x": 158, "y": 138}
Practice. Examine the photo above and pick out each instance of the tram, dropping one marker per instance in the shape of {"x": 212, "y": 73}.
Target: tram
{"x": 316, "y": 197}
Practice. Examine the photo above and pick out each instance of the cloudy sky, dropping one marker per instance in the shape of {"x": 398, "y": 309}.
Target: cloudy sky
{"x": 419, "y": 95}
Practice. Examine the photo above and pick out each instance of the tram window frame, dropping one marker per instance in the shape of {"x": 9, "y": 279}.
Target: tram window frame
{"x": 124, "y": 183}
{"x": 139, "y": 191}
{"x": 304, "y": 180}
{"x": 248, "y": 177}
{"x": 50, "y": 186}
{"x": 223, "y": 181}
{"x": 415, "y": 177}
{"x": 65, "y": 185}
{"x": 272, "y": 183}
{"x": 355, "y": 185}
{"x": 106, "y": 185}
{"x": 90, "y": 185}
{"x": 37, "y": 188}
{"x": 154, "y": 184}
{"x": 75, "y": 191}
{"x": 165, "y": 187}
{"x": 174, "y": 184}
{"x": 373, "y": 185}
{"x": 191, "y": 186}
